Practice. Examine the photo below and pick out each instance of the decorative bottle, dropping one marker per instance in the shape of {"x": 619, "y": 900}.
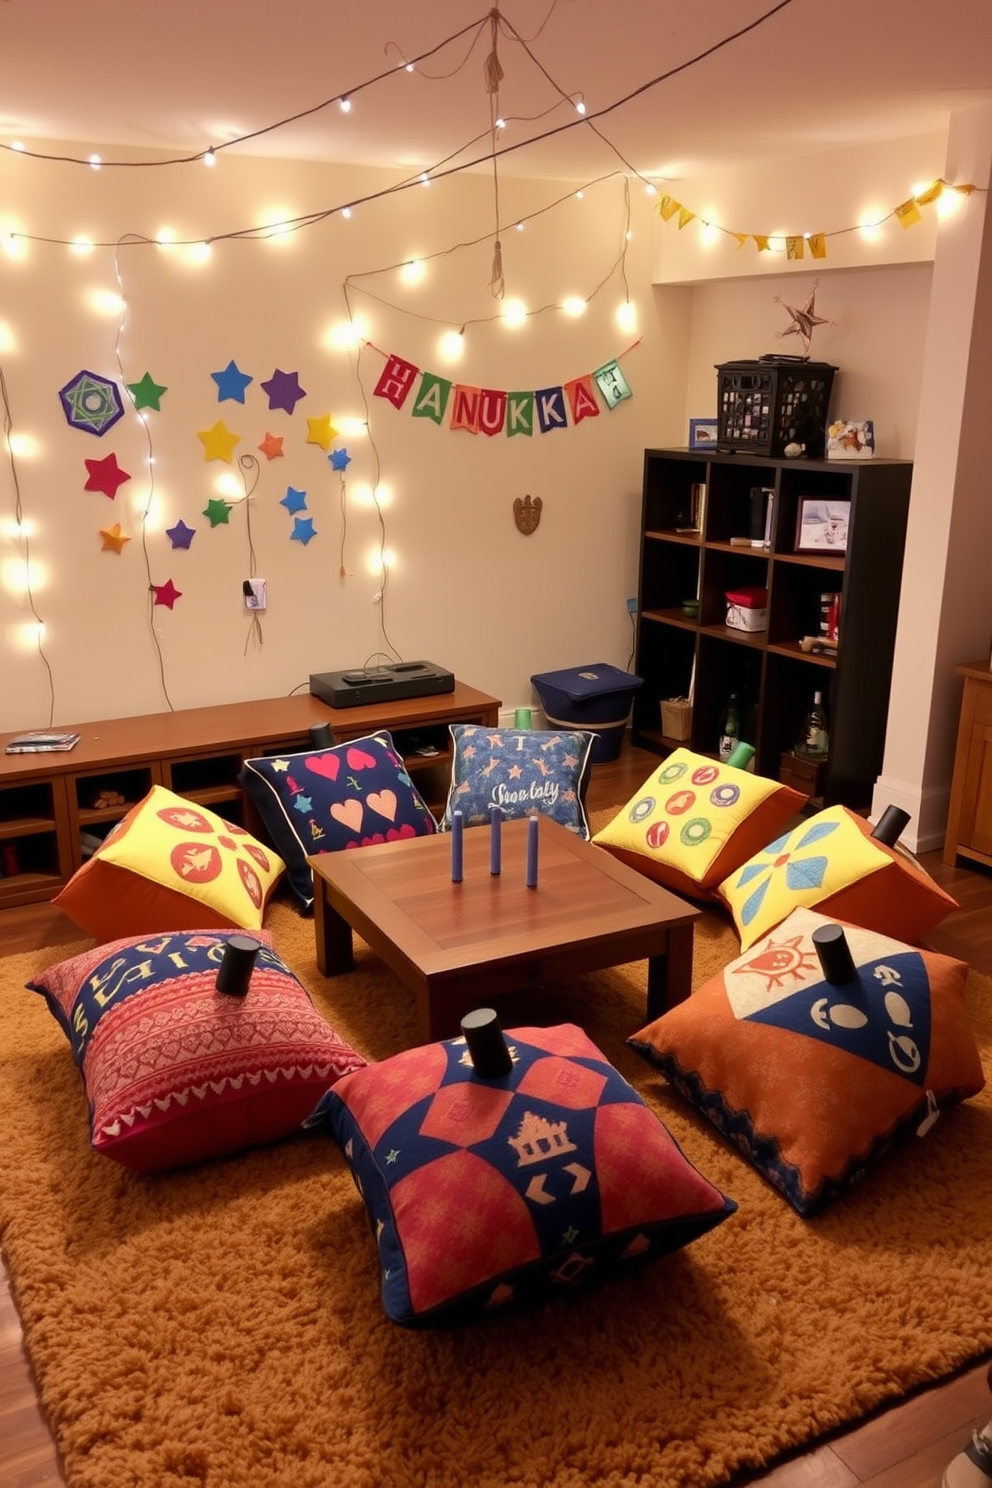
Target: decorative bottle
{"x": 730, "y": 726}
{"x": 815, "y": 740}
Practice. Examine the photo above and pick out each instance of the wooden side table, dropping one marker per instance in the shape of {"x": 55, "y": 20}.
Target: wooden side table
{"x": 969, "y": 821}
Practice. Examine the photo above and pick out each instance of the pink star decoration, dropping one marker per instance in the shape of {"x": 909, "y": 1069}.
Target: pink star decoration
{"x": 166, "y": 594}
{"x": 105, "y": 475}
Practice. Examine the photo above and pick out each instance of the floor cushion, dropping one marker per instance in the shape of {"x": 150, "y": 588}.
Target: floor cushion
{"x": 832, "y": 863}
{"x": 329, "y": 800}
{"x": 480, "y": 1192}
{"x": 175, "y": 1071}
{"x": 170, "y": 864}
{"x": 812, "y": 1080}
{"x": 521, "y": 771}
{"x": 695, "y": 819}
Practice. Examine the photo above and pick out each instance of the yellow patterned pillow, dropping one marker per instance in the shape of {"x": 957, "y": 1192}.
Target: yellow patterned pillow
{"x": 695, "y": 819}
{"x": 831, "y": 862}
{"x": 171, "y": 864}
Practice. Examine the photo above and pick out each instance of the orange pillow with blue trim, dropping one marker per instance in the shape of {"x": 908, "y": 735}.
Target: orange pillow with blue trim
{"x": 832, "y": 863}
{"x": 695, "y": 819}
{"x": 813, "y": 1081}
{"x": 171, "y": 864}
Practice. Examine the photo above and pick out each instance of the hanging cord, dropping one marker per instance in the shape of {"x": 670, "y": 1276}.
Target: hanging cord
{"x": 151, "y": 471}
{"x": 8, "y": 426}
{"x": 343, "y": 501}
{"x": 493, "y": 73}
{"x": 249, "y": 466}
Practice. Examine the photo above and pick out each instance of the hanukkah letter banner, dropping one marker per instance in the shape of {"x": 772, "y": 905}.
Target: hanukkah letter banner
{"x": 491, "y": 410}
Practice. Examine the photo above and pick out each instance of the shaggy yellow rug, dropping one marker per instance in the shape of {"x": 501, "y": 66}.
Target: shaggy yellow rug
{"x": 222, "y": 1327}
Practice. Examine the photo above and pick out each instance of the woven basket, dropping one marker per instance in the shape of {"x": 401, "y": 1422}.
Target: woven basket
{"x": 676, "y": 718}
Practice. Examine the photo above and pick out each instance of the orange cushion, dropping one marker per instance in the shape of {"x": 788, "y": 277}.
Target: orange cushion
{"x": 171, "y": 864}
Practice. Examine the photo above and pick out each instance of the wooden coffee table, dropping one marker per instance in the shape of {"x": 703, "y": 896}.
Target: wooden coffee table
{"x": 461, "y": 946}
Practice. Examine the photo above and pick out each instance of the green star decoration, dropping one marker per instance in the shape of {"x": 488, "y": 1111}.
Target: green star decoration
{"x": 147, "y": 393}
{"x": 217, "y": 512}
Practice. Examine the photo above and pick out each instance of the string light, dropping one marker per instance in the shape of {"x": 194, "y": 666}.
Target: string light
{"x": 345, "y": 105}
{"x": 210, "y": 158}
{"x": 95, "y": 162}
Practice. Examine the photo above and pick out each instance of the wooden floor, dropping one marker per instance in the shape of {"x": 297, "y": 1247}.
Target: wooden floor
{"x": 907, "y": 1446}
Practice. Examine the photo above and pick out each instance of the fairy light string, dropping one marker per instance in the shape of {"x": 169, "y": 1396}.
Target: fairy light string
{"x": 24, "y": 543}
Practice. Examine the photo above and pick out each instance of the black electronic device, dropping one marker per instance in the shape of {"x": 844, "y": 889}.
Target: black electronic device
{"x": 363, "y": 685}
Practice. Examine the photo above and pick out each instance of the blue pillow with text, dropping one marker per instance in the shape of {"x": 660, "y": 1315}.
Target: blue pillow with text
{"x": 522, "y": 771}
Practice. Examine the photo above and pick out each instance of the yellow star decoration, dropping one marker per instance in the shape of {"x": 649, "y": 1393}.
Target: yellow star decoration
{"x": 113, "y": 539}
{"x": 218, "y": 442}
{"x": 280, "y": 764}
{"x": 321, "y": 431}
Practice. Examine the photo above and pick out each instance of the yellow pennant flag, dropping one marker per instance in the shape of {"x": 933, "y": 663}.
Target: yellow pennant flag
{"x": 685, "y": 217}
{"x": 795, "y": 247}
{"x": 924, "y": 198}
{"x": 741, "y": 238}
{"x": 668, "y": 206}
{"x": 818, "y": 245}
{"x": 762, "y": 242}
{"x": 908, "y": 213}
{"x": 964, "y": 190}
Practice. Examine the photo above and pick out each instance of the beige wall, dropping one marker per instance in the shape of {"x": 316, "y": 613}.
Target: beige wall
{"x": 466, "y": 590}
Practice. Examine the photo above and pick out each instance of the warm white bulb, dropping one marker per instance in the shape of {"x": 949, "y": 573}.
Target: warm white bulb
{"x": 626, "y": 317}
{"x": 870, "y": 226}
{"x": 580, "y": 107}
{"x": 24, "y": 446}
{"x": 410, "y": 67}
{"x": 947, "y": 203}
{"x": 95, "y": 162}
{"x": 165, "y": 237}
{"x": 106, "y": 302}
{"x": 345, "y": 211}
{"x": 500, "y": 123}
{"x": 650, "y": 190}
{"x": 81, "y": 245}
{"x": 580, "y": 196}
{"x": 210, "y": 158}
{"x": 413, "y": 272}
{"x": 346, "y": 105}
{"x": 514, "y": 313}
{"x": 451, "y": 346}
{"x": 573, "y": 305}
{"x": 17, "y": 144}
{"x": 425, "y": 178}
{"x": 520, "y": 227}
{"x": 708, "y": 234}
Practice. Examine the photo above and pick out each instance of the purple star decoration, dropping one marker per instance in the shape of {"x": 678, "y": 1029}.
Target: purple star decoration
{"x": 284, "y": 390}
{"x": 180, "y": 536}
{"x": 91, "y": 402}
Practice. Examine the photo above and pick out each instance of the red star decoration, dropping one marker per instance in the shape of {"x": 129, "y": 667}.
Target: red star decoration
{"x": 166, "y": 594}
{"x": 271, "y": 445}
{"x": 105, "y": 475}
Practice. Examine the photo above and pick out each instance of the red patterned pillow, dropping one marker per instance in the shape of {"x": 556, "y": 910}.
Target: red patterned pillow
{"x": 177, "y": 1072}
{"x": 481, "y": 1192}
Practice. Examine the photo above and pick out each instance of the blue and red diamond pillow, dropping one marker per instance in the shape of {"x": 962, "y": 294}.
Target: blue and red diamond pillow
{"x": 328, "y": 800}
{"x": 480, "y": 1192}
{"x": 810, "y": 1080}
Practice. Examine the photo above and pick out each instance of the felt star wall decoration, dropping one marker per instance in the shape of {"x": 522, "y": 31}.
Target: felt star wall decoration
{"x": 294, "y": 500}
{"x": 147, "y": 393}
{"x": 105, "y": 475}
{"x": 217, "y": 512}
{"x": 340, "y": 459}
{"x": 231, "y": 383}
{"x": 284, "y": 390}
{"x": 180, "y": 535}
{"x": 303, "y": 530}
{"x": 218, "y": 441}
{"x": 91, "y": 402}
{"x": 271, "y": 446}
{"x": 113, "y": 539}
{"x": 804, "y": 318}
{"x": 321, "y": 431}
{"x": 166, "y": 594}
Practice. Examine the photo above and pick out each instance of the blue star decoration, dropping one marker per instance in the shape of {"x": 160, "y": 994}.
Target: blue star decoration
{"x": 340, "y": 459}
{"x": 303, "y": 530}
{"x": 180, "y": 536}
{"x": 284, "y": 390}
{"x": 294, "y": 501}
{"x": 231, "y": 383}
{"x": 303, "y": 804}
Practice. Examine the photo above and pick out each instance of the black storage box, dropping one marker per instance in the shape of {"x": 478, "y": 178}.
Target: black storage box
{"x": 764, "y": 405}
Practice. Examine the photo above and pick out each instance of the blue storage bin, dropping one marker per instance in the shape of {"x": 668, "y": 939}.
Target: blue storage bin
{"x": 597, "y": 698}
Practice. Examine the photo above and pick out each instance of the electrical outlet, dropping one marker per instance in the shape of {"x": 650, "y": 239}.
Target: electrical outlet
{"x": 254, "y": 591}
{"x": 632, "y": 606}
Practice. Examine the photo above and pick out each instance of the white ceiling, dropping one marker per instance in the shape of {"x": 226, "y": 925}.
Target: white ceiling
{"x": 176, "y": 76}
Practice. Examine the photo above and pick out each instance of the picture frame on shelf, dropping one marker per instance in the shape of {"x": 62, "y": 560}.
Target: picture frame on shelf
{"x": 703, "y": 433}
{"x": 851, "y": 439}
{"x": 821, "y": 525}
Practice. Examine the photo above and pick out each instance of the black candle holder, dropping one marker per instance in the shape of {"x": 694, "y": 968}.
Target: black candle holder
{"x": 836, "y": 961}
{"x": 486, "y": 1045}
{"x": 321, "y": 736}
{"x": 237, "y": 965}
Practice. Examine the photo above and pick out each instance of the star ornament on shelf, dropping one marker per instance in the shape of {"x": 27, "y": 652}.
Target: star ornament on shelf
{"x": 804, "y": 318}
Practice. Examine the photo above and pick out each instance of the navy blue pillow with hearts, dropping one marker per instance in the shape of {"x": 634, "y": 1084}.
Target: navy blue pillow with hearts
{"x": 328, "y": 800}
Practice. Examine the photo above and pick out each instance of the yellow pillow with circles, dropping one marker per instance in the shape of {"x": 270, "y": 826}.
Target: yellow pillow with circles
{"x": 695, "y": 820}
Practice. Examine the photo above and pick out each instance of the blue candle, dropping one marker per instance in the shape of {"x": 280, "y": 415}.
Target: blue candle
{"x": 532, "y": 852}
{"x": 457, "y": 825}
{"x": 495, "y": 840}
